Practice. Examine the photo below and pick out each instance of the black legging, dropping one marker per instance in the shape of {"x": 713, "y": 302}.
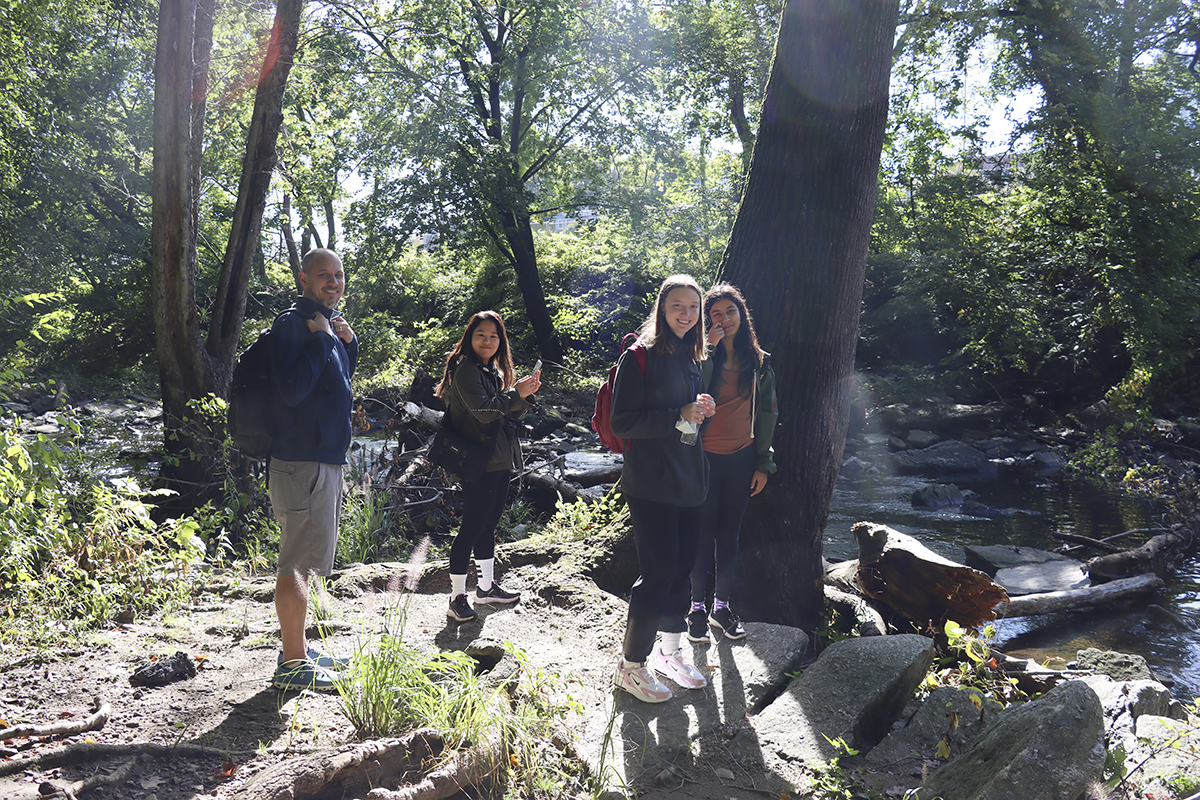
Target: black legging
{"x": 483, "y": 504}
{"x": 721, "y": 522}
{"x": 666, "y": 537}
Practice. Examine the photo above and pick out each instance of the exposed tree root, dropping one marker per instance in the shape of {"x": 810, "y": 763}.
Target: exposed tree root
{"x": 74, "y": 754}
{"x": 62, "y": 727}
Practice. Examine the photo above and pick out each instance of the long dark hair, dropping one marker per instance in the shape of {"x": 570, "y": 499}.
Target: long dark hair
{"x": 502, "y": 359}
{"x": 653, "y": 333}
{"x": 745, "y": 341}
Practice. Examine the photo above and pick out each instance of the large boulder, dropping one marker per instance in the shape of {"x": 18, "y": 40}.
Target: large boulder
{"x": 948, "y": 457}
{"x": 1048, "y": 749}
{"x": 947, "y": 721}
{"x": 854, "y": 692}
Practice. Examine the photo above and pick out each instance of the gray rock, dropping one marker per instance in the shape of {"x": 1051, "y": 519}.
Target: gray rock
{"x": 1166, "y": 750}
{"x": 992, "y": 558}
{"x": 1051, "y": 576}
{"x": 975, "y": 508}
{"x": 1048, "y": 749}
{"x": 920, "y": 438}
{"x": 923, "y": 732}
{"x": 1118, "y": 666}
{"x": 1047, "y": 461}
{"x": 937, "y": 495}
{"x": 749, "y": 670}
{"x": 947, "y": 456}
{"x": 854, "y": 691}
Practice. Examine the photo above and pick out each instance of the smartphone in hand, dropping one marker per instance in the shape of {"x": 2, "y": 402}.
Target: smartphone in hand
{"x": 537, "y": 367}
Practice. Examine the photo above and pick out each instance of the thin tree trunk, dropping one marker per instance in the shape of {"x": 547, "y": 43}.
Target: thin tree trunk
{"x": 798, "y": 251}
{"x": 518, "y": 234}
{"x": 257, "y": 168}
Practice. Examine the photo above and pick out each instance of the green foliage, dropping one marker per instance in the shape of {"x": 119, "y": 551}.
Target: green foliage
{"x": 574, "y": 522}
{"x": 968, "y": 664}
{"x": 76, "y": 547}
{"x": 390, "y": 689}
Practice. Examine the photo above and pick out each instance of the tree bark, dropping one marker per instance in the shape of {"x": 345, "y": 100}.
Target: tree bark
{"x": 798, "y": 251}
{"x": 257, "y": 168}
{"x": 518, "y": 235}
{"x": 189, "y": 368}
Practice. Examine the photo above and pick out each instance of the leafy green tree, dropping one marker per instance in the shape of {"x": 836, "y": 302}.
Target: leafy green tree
{"x": 483, "y": 118}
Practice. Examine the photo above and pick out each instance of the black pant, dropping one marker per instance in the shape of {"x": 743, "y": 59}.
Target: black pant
{"x": 483, "y": 504}
{"x": 721, "y": 521}
{"x": 666, "y": 537}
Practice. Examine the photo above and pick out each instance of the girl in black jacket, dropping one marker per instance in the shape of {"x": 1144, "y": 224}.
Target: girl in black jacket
{"x": 480, "y": 393}
{"x": 664, "y": 480}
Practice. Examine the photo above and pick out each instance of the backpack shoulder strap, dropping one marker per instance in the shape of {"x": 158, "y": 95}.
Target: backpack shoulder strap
{"x": 638, "y": 349}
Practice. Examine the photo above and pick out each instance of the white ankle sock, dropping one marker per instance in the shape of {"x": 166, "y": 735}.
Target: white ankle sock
{"x": 487, "y": 572}
{"x": 669, "y": 642}
{"x": 458, "y": 585}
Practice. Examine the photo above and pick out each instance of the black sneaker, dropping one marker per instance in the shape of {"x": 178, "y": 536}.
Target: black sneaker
{"x": 697, "y": 622}
{"x": 496, "y": 594}
{"x": 460, "y": 610}
{"x": 727, "y": 622}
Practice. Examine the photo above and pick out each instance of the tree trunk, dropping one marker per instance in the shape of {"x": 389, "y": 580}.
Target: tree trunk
{"x": 257, "y": 168}
{"x": 798, "y": 251}
{"x": 189, "y": 369}
{"x": 183, "y": 367}
{"x": 518, "y": 235}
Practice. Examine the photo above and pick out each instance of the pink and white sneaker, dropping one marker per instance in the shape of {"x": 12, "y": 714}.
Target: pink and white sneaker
{"x": 674, "y": 667}
{"x": 640, "y": 682}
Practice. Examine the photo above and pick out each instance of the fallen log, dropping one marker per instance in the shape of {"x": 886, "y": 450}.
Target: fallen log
{"x": 1131, "y": 562}
{"x": 567, "y": 490}
{"x": 1076, "y": 599}
{"x": 897, "y": 570}
{"x": 595, "y": 477}
{"x": 424, "y": 417}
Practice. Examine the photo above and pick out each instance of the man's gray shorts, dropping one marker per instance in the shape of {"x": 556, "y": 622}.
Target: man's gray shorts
{"x": 306, "y": 497}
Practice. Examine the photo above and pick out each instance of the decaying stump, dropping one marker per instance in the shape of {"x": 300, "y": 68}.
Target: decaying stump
{"x": 918, "y": 584}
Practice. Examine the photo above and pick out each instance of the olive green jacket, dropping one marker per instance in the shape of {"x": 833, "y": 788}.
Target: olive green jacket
{"x": 764, "y": 411}
{"x": 475, "y": 404}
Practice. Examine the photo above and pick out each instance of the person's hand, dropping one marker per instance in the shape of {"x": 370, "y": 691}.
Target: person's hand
{"x": 758, "y": 482}
{"x": 707, "y": 402}
{"x": 342, "y": 330}
{"x": 715, "y": 334}
{"x": 693, "y": 413}
{"x": 317, "y": 323}
{"x": 528, "y": 385}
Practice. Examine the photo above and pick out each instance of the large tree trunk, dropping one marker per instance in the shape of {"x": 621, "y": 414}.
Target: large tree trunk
{"x": 518, "y": 234}
{"x": 188, "y": 369}
{"x": 798, "y": 251}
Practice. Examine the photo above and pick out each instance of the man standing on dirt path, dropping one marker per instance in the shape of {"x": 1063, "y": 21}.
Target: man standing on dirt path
{"x": 313, "y": 353}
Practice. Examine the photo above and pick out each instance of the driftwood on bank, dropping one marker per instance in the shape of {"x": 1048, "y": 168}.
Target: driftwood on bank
{"x": 1076, "y": 599}
{"x": 898, "y": 571}
{"x": 64, "y": 727}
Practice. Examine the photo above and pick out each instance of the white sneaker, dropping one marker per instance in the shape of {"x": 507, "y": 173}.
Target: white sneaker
{"x": 674, "y": 667}
{"x": 640, "y": 682}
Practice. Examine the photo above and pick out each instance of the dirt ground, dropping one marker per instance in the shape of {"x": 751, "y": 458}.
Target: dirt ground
{"x": 203, "y": 737}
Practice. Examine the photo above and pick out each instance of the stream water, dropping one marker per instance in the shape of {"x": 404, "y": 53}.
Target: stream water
{"x": 1164, "y": 629}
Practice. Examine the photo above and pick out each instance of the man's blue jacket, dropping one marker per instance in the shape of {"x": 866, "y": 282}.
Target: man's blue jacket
{"x": 311, "y": 374}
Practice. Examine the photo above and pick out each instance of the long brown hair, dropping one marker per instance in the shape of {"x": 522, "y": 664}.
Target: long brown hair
{"x": 653, "y": 333}
{"x": 745, "y": 341}
{"x": 502, "y": 359}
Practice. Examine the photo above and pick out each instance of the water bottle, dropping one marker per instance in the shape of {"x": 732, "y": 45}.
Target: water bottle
{"x": 689, "y": 432}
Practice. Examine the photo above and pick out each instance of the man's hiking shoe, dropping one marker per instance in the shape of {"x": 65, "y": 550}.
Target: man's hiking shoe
{"x": 674, "y": 667}
{"x": 496, "y": 594}
{"x": 727, "y": 622}
{"x": 640, "y": 682}
{"x": 302, "y": 673}
{"x": 460, "y": 609}
{"x": 697, "y": 626}
{"x": 321, "y": 659}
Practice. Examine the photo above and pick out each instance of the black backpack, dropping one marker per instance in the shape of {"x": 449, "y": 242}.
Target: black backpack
{"x": 252, "y": 406}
